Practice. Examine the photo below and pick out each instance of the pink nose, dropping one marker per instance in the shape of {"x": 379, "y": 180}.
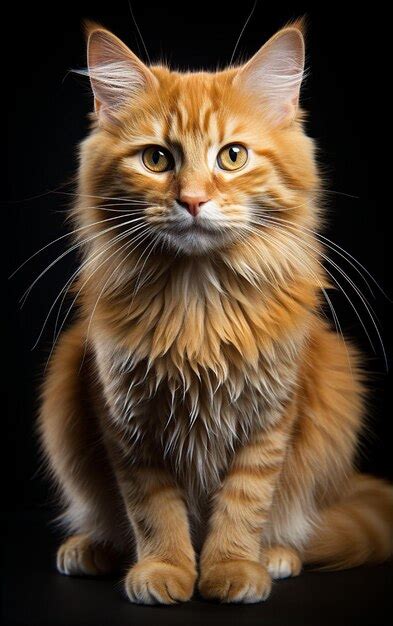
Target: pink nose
{"x": 192, "y": 202}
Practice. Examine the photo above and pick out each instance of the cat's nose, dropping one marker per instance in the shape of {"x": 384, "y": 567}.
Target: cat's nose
{"x": 192, "y": 202}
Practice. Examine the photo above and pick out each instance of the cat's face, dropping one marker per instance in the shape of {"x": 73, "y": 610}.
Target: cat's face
{"x": 197, "y": 163}
{"x": 203, "y": 155}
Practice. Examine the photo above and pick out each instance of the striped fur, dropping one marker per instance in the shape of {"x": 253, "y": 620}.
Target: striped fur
{"x": 200, "y": 403}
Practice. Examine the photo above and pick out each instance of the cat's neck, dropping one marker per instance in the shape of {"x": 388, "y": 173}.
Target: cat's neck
{"x": 204, "y": 311}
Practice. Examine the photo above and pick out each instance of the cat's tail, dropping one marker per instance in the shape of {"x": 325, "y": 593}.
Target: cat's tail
{"x": 358, "y": 529}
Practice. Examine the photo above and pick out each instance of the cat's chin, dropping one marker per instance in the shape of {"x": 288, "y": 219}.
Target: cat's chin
{"x": 192, "y": 242}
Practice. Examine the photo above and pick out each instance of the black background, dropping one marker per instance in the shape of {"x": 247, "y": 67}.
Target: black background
{"x": 48, "y": 106}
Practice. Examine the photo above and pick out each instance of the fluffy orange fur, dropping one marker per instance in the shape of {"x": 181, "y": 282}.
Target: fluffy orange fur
{"x": 200, "y": 387}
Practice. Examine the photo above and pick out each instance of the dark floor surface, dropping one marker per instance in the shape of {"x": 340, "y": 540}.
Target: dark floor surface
{"x": 34, "y": 594}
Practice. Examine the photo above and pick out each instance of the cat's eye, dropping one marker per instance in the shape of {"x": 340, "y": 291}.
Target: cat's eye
{"x": 232, "y": 157}
{"x": 157, "y": 159}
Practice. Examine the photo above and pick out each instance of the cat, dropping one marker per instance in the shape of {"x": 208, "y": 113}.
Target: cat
{"x": 200, "y": 413}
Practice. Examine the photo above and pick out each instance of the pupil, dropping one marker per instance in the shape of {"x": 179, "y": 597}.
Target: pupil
{"x": 233, "y": 152}
{"x": 156, "y": 156}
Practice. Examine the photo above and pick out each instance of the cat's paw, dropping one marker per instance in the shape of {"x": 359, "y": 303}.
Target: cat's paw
{"x": 157, "y": 582}
{"x": 235, "y": 581}
{"x": 79, "y": 556}
{"x": 282, "y": 562}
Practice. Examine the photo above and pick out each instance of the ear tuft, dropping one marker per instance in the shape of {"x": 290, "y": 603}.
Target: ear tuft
{"x": 274, "y": 75}
{"x": 116, "y": 74}
{"x": 300, "y": 23}
{"x": 89, "y": 26}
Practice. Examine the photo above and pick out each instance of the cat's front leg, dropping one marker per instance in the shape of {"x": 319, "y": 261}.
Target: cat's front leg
{"x": 165, "y": 571}
{"x": 231, "y": 560}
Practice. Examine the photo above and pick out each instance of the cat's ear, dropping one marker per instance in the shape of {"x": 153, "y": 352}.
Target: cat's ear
{"x": 274, "y": 74}
{"x": 116, "y": 74}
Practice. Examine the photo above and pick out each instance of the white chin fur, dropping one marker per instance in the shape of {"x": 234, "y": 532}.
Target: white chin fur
{"x": 194, "y": 243}
{"x": 183, "y": 234}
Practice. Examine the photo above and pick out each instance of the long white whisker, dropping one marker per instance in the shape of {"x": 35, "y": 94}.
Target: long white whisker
{"x": 127, "y": 244}
{"x": 73, "y": 247}
{"x": 285, "y": 252}
{"x": 279, "y": 245}
{"x": 138, "y": 284}
{"x": 241, "y": 33}
{"x": 333, "y": 245}
{"x": 68, "y": 234}
{"x": 115, "y": 198}
{"x": 338, "y": 327}
{"x": 139, "y": 31}
{"x": 102, "y": 291}
{"x": 102, "y": 250}
{"x": 364, "y": 301}
{"x": 339, "y": 269}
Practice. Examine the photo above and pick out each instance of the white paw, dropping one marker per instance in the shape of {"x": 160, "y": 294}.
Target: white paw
{"x": 282, "y": 562}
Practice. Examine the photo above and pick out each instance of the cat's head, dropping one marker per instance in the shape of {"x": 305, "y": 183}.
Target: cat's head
{"x": 202, "y": 157}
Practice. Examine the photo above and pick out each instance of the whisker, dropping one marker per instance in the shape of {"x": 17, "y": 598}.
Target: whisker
{"x": 273, "y": 208}
{"x": 339, "y": 193}
{"x": 146, "y": 235}
{"x": 68, "y": 234}
{"x": 42, "y": 194}
{"x": 137, "y": 285}
{"x": 328, "y": 300}
{"x": 286, "y": 223}
{"x": 139, "y": 31}
{"x": 285, "y": 252}
{"x": 279, "y": 245}
{"x": 276, "y": 283}
{"x": 73, "y": 247}
{"x": 102, "y": 250}
{"x": 362, "y": 298}
{"x": 341, "y": 252}
{"x": 335, "y": 265}
{"x": 338, "y": 327}
{"x": 117, "y": 251}
{"x": 104, "y": 207}
{"x": 86, "y": 195}
{"x": 241, "y": 33}
{"x": 372, "y": 315}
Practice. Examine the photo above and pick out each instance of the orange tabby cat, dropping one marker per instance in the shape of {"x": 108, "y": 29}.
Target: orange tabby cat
{"x": 200, "y": 386}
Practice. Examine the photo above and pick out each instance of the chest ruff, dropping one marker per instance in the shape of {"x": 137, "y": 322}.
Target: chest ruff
{"x": 189, "y": 380}
{"x": 194, "y": 426}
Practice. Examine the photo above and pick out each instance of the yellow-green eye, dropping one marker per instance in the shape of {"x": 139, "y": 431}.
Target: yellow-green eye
{"x": 232, "y": 157}
{"x": 157, "y": 159}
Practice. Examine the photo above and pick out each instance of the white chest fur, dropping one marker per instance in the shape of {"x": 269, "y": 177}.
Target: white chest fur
{"x": 191, "y": 420}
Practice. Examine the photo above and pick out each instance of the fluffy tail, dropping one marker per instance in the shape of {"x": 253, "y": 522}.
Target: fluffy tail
{"x": 356, "y": 530}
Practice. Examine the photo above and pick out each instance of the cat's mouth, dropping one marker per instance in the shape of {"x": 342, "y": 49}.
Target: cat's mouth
{"x": 190, "y": 234}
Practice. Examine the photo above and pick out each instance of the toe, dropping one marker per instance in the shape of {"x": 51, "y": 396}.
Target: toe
{"x": 157, "y": 582}
{"x": 282, "y": 562}
{"x": 235, "y": 581}
{"x": 78, "y": 556}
